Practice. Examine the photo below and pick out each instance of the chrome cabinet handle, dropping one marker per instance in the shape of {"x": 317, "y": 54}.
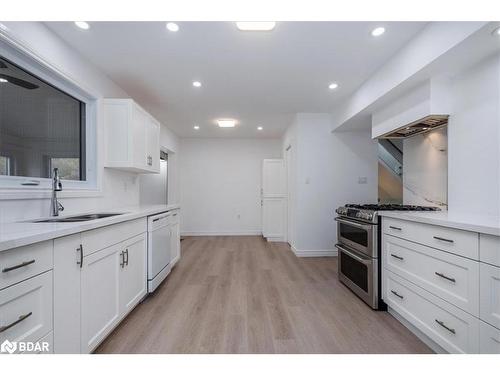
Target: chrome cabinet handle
{"x": 445, "y": 326}
{"x": 396, "y": 228}
{"x": 443, "y": 239}
{"x": 80, "y": 249}
{"x": 21, "y": 318}
{"x": 445, "y": 277}
{"x": 126, "y": 261}
{"x": 397, "y": 256}
{"x": 122, "y": 260}
{"x": 23, "y": 264}
{"x": 397, "y": 294}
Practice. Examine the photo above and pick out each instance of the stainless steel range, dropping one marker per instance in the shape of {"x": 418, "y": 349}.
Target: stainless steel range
{"x": 358, "y": 237}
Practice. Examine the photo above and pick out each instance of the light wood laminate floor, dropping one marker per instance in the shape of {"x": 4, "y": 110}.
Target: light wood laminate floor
{"x": 245, "y": 295}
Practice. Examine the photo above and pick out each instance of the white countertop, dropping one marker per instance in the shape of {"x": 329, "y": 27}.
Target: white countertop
{"x": 471, "y": 222}
{"x": 24, "y": 233}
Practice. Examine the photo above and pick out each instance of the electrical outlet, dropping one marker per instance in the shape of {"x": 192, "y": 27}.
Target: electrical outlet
{"x": 362, "y": 180}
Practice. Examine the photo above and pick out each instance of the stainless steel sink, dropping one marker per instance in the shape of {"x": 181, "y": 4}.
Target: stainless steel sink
{"x": 74, "y": 219}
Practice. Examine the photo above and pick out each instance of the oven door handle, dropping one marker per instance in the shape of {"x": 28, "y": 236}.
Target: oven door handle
{"x": 353, "y": 255}
{"x": 354, "y": 223}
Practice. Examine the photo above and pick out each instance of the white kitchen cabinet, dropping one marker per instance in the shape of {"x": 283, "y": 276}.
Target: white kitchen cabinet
{"x": 456, "y": 241}
{"x": 490, "y": 294}
{"x": 132, "y": 137}
{"x": 100, "y": 296}
{"x": 452, "y": 328}
{"x": 94, "y": 288}
{"x": 26, "y": 309}
{"x": 132, "y": 283}
{"x": 489, "y": 339}
{"x": 453, "y": 278}
{"x": 175, "y": 238}
{"x": 68, "y": 254}
{"x": 24, "y": 262}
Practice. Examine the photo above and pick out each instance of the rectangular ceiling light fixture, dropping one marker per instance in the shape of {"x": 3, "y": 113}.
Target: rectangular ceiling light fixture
{"x": 256, "y": 26}
{"x": 226, "y": 123}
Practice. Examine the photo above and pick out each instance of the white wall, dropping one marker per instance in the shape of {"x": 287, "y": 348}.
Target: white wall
{"x": 327, "y": 171}
{"x": 474, "y": 140}
{"x": 220, "y": 184}
{"x": 118, "y": 188}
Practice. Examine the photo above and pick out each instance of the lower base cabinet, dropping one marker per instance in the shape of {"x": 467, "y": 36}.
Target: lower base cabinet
{"x": 489, "y": 339}
{"x": 94, "y": 292}
{"x": 100, "y": 288}
{"x": 450, "y": 327}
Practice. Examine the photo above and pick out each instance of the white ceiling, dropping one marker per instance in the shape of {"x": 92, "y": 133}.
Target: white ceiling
{"x": 258, "y": 78}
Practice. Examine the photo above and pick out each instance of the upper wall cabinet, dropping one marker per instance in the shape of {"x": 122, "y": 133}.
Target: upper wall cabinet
{"x": 132, "y": 137}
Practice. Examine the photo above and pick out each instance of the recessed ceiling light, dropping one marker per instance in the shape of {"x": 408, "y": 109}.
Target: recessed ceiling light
{"x": 196, "y": 83}
{"x": 255, "y": 26}
{"x": 82, "y": 25}
{"x": 378, "y": 31}
{"x": 333, "y": 85}
{"x": 260, "y": 128}
{"x": 3, "y": 80}
{"x": 171, "y": 26}
{"x": 196, "y": 127}
{"x": 496, "y": 32}
{"x": 226, "y": 123}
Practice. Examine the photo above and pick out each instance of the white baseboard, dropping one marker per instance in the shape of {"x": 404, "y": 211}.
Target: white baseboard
{"x": 314, "y": 253}
{"x": 207, "y": 233}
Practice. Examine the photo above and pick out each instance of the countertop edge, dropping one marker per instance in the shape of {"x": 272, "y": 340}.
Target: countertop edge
{"x": 444, "y": 222}
{"x": 62, "y": 231}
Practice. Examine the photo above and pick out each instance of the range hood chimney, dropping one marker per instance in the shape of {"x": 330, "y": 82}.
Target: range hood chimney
{"x": 421, "y": 110}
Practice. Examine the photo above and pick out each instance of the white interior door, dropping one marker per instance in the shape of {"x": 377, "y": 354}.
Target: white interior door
{"x": 273, "y": 178}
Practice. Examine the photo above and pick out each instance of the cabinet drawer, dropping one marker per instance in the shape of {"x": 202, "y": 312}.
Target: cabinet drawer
{"x": 24, "y": 262}
{"x": 453, "y": 278}
{"x": 489, "y": 339}
{"x": 456, "y": 241}
{"x": 98, "y": 239}
{"x": 26, "y": 309}
{"x": 489, "y": 249}
{"x": 451, "y": 328}
{"x": 490, "y": 294}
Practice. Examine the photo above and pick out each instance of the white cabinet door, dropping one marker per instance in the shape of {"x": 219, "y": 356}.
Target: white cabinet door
{"x": 273, "y": 178}
{"x": 153, "y": 145}
{"x": 489, "y": 339}
{"x": 100, "y": 308}
{"x": 132, "y": 137}
{"x": 68, "y": 255}
{"x": 273, "y": 218}
{"x": 140, "y": 125}
{"x": 133, "y": 285}
{"x": 490, "y": 294}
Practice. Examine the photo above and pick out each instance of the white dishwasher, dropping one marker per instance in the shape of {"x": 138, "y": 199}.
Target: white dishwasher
{"x": 159, "y": 249}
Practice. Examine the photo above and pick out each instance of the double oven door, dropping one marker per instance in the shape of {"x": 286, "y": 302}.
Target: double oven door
{"x": 358, "y": 258}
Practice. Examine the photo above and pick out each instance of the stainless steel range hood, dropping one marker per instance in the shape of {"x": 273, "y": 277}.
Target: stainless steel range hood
{"x": 422, "y": 109}
{"x": 425, "y": 124}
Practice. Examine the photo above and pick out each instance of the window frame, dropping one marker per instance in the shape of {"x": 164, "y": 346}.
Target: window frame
{"x": 19, "y": 187}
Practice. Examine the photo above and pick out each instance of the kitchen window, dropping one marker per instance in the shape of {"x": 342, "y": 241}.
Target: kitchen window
{"x": 45, "y": 123}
